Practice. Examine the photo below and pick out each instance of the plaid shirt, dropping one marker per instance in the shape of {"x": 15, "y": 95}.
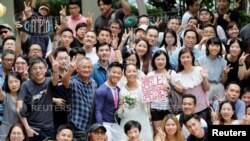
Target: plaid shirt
{"x": 82, "y": 102}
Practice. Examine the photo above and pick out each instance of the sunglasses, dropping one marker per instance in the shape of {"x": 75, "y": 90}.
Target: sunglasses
{"x": 3, "y": 32}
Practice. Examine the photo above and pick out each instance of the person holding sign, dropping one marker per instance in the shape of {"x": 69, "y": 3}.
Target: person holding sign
{"x": 137, "y": 110}
{"x": 163, "y": 82}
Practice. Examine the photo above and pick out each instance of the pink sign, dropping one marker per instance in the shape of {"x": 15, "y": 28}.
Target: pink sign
{"x": 152, "y": 88}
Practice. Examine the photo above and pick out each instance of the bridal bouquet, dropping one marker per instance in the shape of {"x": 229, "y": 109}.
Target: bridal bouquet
{"x": 130, "y": 101}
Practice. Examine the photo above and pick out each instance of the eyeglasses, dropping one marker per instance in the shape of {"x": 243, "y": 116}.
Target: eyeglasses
{"x": 8, "y": 60}
{"x": 5, "y": 32}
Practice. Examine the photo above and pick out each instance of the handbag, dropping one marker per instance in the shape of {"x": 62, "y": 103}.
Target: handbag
{"x": 175, "y": 100}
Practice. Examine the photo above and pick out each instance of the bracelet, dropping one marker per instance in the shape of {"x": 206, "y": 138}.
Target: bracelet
{"x": 241, "y": 65}
{"x": 115, "y": 49}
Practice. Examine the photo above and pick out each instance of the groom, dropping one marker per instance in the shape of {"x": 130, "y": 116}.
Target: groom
{"x": 107, "y": 102}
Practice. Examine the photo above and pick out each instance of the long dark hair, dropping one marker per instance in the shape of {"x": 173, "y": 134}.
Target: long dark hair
{"x": 172, "y": 32}
{"x": 14, "y": 74}
{"x": 234, "y": 117}
{"x": 184, "y": 50}
{"x": 158, "y": 53}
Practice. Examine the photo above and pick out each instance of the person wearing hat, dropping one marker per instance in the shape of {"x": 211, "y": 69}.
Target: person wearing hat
{"x": 44, "y": 9}
{"x": 5, "y": 31}
{"x": 107, "y": 13}
{"x": 97, "y": 132}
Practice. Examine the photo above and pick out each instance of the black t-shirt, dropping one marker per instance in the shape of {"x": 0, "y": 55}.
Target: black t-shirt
{"x": 234, "y": 16}
{"x": 102, "y": 21}
{"x": 233, "y": 73}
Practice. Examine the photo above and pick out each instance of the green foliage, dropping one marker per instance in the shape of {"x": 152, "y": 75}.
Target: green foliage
{"x": 244, "y": 18}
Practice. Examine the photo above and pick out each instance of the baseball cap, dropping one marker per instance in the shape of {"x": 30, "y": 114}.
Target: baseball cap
{"x": 96, "y": 126}
{"x": 45, "y": 6}
{"x": 142, "y": 27}
{"x": 5, "y": 26}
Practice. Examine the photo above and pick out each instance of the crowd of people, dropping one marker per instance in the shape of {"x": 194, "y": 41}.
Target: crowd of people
{"x": 85, "y": 83}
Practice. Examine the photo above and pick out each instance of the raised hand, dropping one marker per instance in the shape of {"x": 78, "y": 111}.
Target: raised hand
{"x": 158, "y": 22}
{"x": 72, "y": 65}
{"x": 204, "y": 72}
{"x": 227, "y": 69}
{"x": 161, "y": 133}
{"x": 89, "y": 20}
{"x": 226, "y": 17}
{"x": 27, "y": 10}
{"x": 242, "y": 58}
{"x": 62, "y": 12}
{"x": 55, "y": 64}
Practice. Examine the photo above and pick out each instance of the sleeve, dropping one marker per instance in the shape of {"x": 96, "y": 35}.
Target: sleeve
{"x": 240, "y": 108}
{"x": 99, "y": 102}
{"x": 216, "y": 106}
{"x": 22, "y": 92}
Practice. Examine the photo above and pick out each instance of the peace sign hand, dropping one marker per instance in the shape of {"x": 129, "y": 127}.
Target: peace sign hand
{"x": 242, "y": 58}
{"x": 63, "y": 11}
{"x": 27, "y": 10}
{"x": 55, "y": 64}
{"x": 72, "y": 67}
{"x": 204, "y": 72}
{"x": 161, "y": 133}
{"x": 227, "y": 69}
{"x": 89, "y": 20}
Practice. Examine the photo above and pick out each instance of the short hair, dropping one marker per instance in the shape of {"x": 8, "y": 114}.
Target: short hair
{"x": 152, "y": 27}
{"x": 76, "y": 2}
{"x": 214, "y": 41}
{"x": 60, "y": 49}
{"x": 115, "y": 20}
{"x": 131, "y": 124}
{"x": 14, "y": 74}
{"x": 65, "y": 126}
{"x": 79, "y": 25}
{"x": 192, "y": 116}
{"x": 105, "y": 29}
{"x": 6, "y": 52}
{"x": 115, "y": 64}
{"x": 36, "y": 60}
{"x": 105, "y": 2}
{"x": 8, "y": 38}
{"x": 65, "y": 30}
{"x": 189, "y": 96}
{"x": 75, "y": 51}
{"x": 99, "y": 45}
{"x": 231, "y": 83}
{"x": 190, "y": 3}
{"x": 196, "y": 35}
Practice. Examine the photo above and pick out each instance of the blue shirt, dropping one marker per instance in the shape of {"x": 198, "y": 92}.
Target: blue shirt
{"x": 175, "y": 56}
{"x": 82, "y": 102}
{"x": 99, "y": 74}
{"x": 239, "y": 108}
{"x": 104, "y": 104}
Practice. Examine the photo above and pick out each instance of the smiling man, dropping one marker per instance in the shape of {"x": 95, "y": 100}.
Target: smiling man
{"x": 188, "y": 108}
{"x": 107, "y": 102}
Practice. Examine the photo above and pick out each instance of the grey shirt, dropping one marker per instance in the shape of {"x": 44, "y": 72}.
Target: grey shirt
{"x": 38, "y": 100}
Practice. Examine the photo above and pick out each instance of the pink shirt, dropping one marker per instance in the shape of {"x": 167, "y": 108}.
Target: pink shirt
{"x": 72, "y": 22}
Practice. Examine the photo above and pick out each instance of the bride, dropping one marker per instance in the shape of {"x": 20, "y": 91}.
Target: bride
{"x": 138, "y": 110}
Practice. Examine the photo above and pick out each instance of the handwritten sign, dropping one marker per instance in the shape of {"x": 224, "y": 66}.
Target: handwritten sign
{"x": 152, "y": 88}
